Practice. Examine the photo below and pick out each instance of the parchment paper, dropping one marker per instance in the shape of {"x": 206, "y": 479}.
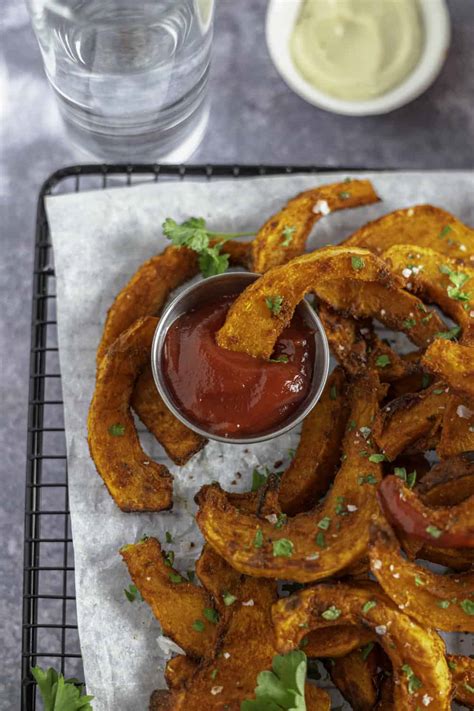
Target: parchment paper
{"x": 100, "y": 238}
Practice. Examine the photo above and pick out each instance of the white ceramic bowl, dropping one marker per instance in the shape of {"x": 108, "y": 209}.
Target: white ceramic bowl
{"x": 281, "y": 17}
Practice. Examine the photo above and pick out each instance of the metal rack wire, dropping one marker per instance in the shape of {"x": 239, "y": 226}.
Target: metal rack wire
{"x": 49, "y": 632}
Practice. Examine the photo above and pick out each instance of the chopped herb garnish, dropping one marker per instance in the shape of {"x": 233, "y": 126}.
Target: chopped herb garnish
{"x": 279, "y": 359}
{"x": 409, "y": 323}
{"x": 449, "y": 335}
{"x": 175, "y": 578}
{"x": 274, "y": 303}
{"x": 198, "y": 625}
{"x": 340, "y": 506}
{"x": 418, "y": 581}
{"x": 425, "y": 319}
{"x": 444, "y": 604}
{"x": 382, "y": 361}
{"x": 287, "y": 235}
{"x": 351, "y": 425}
{"x": 409, "y": 479}
{"x": 214, "y": 674}
{"x": 320, "y": 540}
{"x": 377, "y": 458}
{"x": 258, "y": 540}
{"x": 452, "y": 665}
{"x": 344, "y": 195}
{"x": 368, "y": 606}
{"x": 281, "y": 520}
{"x": 413, "y": 682}
{"x": 332, "y": 613}
{"x": 168, "y": 537}
{"x": 426, "y": 380}
{"x": 433, "y": 531}
{"x": 445, "y": 231}
{"x": 283, "y": 548}
{"x": 366, "y": 650}
{"x": 366, "y": 479}
{"x": 211, "y": 615}
{"x": 357, "y": 263}
{"x": 131, "y": 593}
{"x": 438, "y": 391}
{"x": 468, "y": 687}
{"x": 259, "y": 478}
{"x": 467, "y": 606}
{"x": 228, "y": 598}
{"x": 192, "y": 233}
{"x": 333, "y": 392}
{"x": 169, "y": 559}
{"x": 191, "y": 575}
{"x": 324, "y": 523}
{"x": 117, "y": 430}
{"x": 291, "y": 453}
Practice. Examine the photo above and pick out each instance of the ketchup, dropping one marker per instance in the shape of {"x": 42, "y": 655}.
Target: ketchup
{"x": 230, "y": 393}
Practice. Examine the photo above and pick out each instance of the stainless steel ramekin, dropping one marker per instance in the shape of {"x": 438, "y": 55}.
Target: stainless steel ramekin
{"x": 213, "y": 288}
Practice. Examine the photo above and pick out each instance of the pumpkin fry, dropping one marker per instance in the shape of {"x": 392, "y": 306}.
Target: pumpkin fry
{"x": 354, "y": 676}
{"x": 421, "y": 225}
{"x": 452, "y": 363}
{"x": 314, "y": 544}
{"x": 284, "y": 235}
{"x": 352, "y": 279}
{"x": 134, "y": 481}
{"x": 432, "y": 599}
{"x": 417, "y": 653}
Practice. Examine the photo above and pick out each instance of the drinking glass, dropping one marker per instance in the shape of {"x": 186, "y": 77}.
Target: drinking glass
{"x": 130, "y": 76}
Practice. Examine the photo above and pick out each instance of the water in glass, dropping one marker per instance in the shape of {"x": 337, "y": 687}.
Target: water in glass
{"x": 130, "y": 75}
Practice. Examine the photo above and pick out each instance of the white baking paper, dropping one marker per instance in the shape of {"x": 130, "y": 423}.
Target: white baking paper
{"x": 100, "y": 238}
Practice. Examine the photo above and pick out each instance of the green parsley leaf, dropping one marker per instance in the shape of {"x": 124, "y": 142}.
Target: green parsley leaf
{"x": 368, "y": 606}
{"x": 283, "y": 687}
{"x": 198, "y": 625}
{"x": 258, "y": 540}
{"x": 438, "y": 391}
{"x": 409, "y": 323}
{"x": 169, "y": 558}
{"x": 117, "y": 430}
{"x": 433, "y": 531}
{"x": 445, "y": 231}
{"x": 458, "y": 294}
{"x": 214, "y": 674}
{"x": 168, "y": 537}
{"x": 211, "y": 615}
{"x": 449, "y": 335}
{"x": 351, "y": 425}
{"x": 193, "y": 234}
{"x": 344, "y": 195}
{"x": 333, "y": 393}
{"x": 191, "y": 575}
{"x": 228, "y": 598}
{"x": 287, "y": 235}
{"x": 382, "y": 361}
{"x": 357, "y": 263}
{"x": 377, "y": 458}
{"x": 332, "y": 613}
{"x": 425, "y": 319}
{"x": 279, "y": 359}
{"x": 259, "y": 478}
{"x": 175, "y": 578}
{"x": 274, "y": 303}
{"x": 467, "y": 606}
{"x": 452, "y": 665}
{"x": 340, "y": 507}
{"x": 426, "y": 380}
{"x": 413, "y": 682}
{"x": 60, "y": 694}
{"x": 324, "y": 523}
{"x": 281, "y": 520}
{"x": 468, "y": 687}
{"x": 366, "y": 479}
{"x": 366, "y": 650}
{"x": 320, "y": 540}
{"x": 283, "y": 548}
{"x": 444, "y": 604}
{"x": 131, "y": 593}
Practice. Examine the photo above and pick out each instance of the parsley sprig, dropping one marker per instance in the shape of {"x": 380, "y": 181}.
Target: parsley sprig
{"x": 283, "y": 686}
{"x": 193, "y": 234}
{"x": 60, "y": 694}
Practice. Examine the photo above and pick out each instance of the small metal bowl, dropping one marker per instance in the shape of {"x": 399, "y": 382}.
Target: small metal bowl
{"x": 213, "y": 288}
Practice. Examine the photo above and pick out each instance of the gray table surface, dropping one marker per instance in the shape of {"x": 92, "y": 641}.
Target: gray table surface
{"x": 255, "y": 118}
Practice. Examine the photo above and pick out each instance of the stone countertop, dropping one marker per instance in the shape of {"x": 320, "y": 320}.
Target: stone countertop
{"x": 255, "y": 118}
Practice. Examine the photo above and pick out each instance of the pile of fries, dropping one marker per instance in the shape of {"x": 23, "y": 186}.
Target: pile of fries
{"x": 361, "y": 508}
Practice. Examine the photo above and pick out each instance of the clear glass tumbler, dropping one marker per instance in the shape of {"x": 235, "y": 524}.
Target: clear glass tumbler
{"x": 130, "y": 75}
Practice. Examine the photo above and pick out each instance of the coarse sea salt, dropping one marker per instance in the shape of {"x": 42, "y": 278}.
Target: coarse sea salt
{"x": 321, "y": 207}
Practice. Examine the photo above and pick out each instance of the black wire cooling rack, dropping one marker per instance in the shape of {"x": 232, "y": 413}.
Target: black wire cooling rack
{"x": 50, "y": 636}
